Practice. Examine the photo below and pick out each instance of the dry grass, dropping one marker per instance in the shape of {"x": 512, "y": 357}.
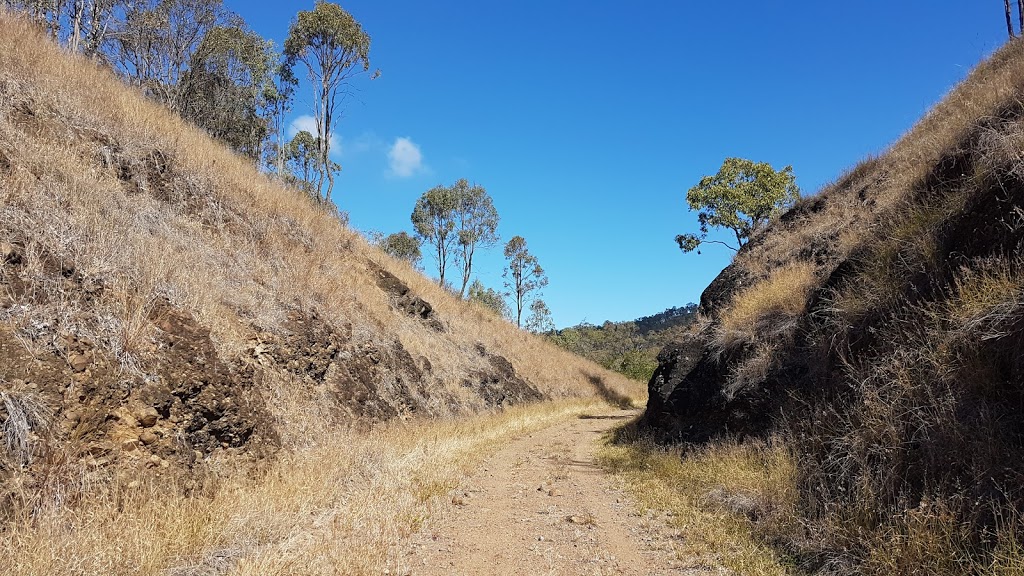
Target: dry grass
{"x": 97, "y": 180}
{"x": 767, "y": 308}
{"x": 726, "y": 499}
{"x": 23, "y": 417}
{"x": 345, "y": 506}
{"x": 987, "y": 301}
{"x": 209, "y": 232}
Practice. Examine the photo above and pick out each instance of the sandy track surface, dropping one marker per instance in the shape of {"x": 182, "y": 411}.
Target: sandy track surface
{"x": 541, "y": 505}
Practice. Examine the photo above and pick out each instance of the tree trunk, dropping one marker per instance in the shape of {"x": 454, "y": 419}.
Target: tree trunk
{"x": 1009, "y": 18}
{"x": 54, "y": 26}
{"x": 75, "y": 40}
{"x": 323, "y": 144}
{"x": 442, "y": 263}
{"x": 467, "y": 267}
{"x": 1020, "y": 15}
{"x": 517, "y": 274}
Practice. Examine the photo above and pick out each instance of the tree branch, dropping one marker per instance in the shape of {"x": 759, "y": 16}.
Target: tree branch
{"x": 720, "y": 242}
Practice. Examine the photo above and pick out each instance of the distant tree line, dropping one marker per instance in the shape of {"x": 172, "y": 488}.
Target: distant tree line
{"x": 630, "y": 348}
{"x": 456, "y": 221}
{"x": 204, "y": 63}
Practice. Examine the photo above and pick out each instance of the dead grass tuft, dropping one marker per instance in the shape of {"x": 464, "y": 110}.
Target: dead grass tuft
{"x": 768, "y": 308}
{"x": 24, "y": 418}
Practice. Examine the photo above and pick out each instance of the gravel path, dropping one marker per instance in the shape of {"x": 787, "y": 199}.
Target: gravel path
{"x": 541, "y": 505}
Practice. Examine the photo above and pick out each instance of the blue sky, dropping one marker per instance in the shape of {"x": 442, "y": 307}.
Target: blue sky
{"x": 588, "y": 121}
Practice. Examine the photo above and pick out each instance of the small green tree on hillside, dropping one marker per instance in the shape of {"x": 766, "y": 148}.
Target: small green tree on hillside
{"x": 434, "y": 221}
{"x": 523, "y": 276}
{"x": 477, "y": 225}
{"x": 488, "y": 297}
{"x": 225, "y": 87}
{"x": 539, "y": 321}
{"x": 279, "y": 95}
{"x": 742, "y": 197}
{"x": 403, "y": 247}
{"x": 155, "y": 41}
{"x": 302, "y": 160}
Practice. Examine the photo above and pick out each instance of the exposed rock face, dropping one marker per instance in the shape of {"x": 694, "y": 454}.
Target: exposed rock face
{"x": 674, "y": 362}
{"x": 500, "y": 385}
{"x": 689, "y": 396}
{"x": 196, "y": 389}
{"x": 403, "y": 299}
{"x": 367, "y": 381}
{"x": 720, "y": 292}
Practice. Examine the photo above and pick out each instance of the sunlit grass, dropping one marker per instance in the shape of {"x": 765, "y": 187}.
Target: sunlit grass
{"x": 347, "y": 506}
{"x": 717, "y": 497}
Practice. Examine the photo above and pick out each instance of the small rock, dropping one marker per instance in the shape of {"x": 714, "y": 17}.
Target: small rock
{"x": 129, "y": 445}
{"x": 9, "y": 253}
{"x": 73, "y": 416}
{"x": 134, "y": 484}
{"x": 147, "y": 416}
{"x": 554, "y": 492}
{"x": 79, "y": 362}
{"x": 148, "y": 437}
{"x": 458, "y": 501}
{"x": 100, "y": 448}
{"x": 540, "y": 538}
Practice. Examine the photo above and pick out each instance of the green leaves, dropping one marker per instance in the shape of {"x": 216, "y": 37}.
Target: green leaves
{"x": 742, "y": 197}
{"x": 433, "y": 220}
{"x": 488, "y": 297}
{"x": 330, "y": 35}
{"x": 462, "y": 216}
{"x": 403, "y": 247}
{"x": 334, "y": 48}
{"x": 523, "y": 276}
{"x": 540, "y": 321}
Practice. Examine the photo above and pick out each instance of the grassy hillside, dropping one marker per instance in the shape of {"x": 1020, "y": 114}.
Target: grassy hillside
{"x": 877, "y": 328}
{"x": 167, "y": 311}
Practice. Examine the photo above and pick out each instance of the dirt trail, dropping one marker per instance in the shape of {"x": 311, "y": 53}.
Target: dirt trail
{"x": 541, "y": 505}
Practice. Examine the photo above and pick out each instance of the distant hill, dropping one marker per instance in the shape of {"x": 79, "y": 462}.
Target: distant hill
{"x": 630, "y": 348}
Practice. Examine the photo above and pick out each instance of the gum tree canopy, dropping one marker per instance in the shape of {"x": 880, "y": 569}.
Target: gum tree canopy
{"x": 742, "y": 197}
{"x": 334, "y": 49}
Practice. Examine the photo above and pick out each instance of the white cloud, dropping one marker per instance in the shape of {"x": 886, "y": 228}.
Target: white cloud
{"x": 404, "y": 158}
{"x": 308, "y": 124}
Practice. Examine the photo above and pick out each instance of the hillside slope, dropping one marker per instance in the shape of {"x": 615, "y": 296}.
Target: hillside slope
{"x": 878, "y": 329}
{"x": 162, "y": 303}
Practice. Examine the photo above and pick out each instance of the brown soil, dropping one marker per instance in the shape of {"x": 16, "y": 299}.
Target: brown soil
{"x": 541, "y": 505}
